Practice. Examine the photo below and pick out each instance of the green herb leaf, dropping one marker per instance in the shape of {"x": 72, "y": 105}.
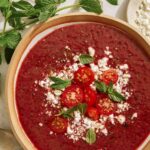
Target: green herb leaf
{"x": 10, "y": 39}
{"x": 8, "y": 54}
{"x": 59, "y": 83}
{"x": 113, "y": 2}
{"x": 91, "y": 6}
{"x": 115, "y": 96}
{"x": 69, "y": 113}
{"x": 82, "y": 108}
{"x": 101, "y": 86}
{"x": 23, "y": 5}
{"x": 90, "y": 136}
{"x": 4, "y": 3}
{"x": 86, "y": 59}
{"x": 43, "y": 16}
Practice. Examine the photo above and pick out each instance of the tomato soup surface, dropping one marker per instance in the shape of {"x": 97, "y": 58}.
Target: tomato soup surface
{"x": 120, "y": 123}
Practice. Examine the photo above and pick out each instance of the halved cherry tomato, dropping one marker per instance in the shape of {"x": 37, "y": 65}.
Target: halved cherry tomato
{"x": 84, "y": 75}
{"x": 59, "y": 125}
{"x": 89, "y": 96}
{"x": 93, "y": 113}
{"x": 105, "y": 106}
{"x": 72, "y": 96}
{"x": 109, "y": 76}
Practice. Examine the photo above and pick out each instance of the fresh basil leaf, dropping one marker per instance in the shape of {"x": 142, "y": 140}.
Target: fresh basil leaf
{"x": 115, "y": 96}
{"x": 12, "y": 39}
{"x": 2, "y": 41}
{"x": 0, "y": 59}
{"x": 43, "y": 16}
{"x": 59, "y": 83}
{"x": 86, "y": 59}
{"x": 69, "y": 113}
{"x": 82, "y": 108}
{"x": 113, "y": 2}
{"x": 4, "y": 3}
{"x": 101, "y": 86}
{"x": 23, "y": 5}
{"x": 91, "y": 6}
{"x": 110, "y": 88}
{"x": 8, "y": 54}
{"x": 90, "y": 136}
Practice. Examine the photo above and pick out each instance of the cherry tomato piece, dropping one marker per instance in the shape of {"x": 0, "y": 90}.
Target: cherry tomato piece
{"x": 72, "y": 96}
{"x": 109, "y": 76}
{"x": 105, "y": 106}
{"x": 84, "y": 75}
{"x": 93, "y": 113}
{"x": 59, "y": 125}
{"x": 89, "y": 96}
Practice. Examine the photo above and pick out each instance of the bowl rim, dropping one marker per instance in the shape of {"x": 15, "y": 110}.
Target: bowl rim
{"x": 35, "y": 30}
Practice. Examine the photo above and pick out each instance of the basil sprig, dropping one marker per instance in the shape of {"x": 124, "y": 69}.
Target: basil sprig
{"x": 85, "y": 59}
{"x": 59, "y": 83}
{"x": 90, "y": 136}
{"x": 21, "y": 14}
{"x": 69, "y": 112}
{"x": 108, "y": 89}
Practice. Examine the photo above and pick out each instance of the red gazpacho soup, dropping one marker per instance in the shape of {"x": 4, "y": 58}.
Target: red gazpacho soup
{"x": 85, "y": 86}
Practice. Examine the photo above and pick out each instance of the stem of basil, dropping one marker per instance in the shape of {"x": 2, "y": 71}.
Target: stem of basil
{"x": 70, "y": 6}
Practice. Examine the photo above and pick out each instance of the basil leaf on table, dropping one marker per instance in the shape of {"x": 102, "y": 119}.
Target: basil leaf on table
{"x": 10, "y": 39}
{"x": 4, "y": 3}
{"x": 91, "y": 6}
{"x": 86, "y": 59}
{"x": 90, "y": 136}
{"x": 113, "y": 2}
{"x": 59, "y": 83}
{"x": 23, "y": 5}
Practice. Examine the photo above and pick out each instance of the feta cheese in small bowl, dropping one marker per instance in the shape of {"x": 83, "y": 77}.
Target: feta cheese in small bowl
{"x": 138, "y": 15}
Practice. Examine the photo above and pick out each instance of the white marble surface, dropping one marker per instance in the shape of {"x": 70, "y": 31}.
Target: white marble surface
{"x": 115, "y": 11}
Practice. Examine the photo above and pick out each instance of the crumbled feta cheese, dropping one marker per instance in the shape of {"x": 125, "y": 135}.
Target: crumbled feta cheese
{"x": 94, "y": 67}
{"x": 57, "y": 92}
{"x": 76, "y": 58}
{"x": 112, "y": 119}
{"x": 121, "y": 119}
{"x": 103, "y": 64}
{"x": 91, "y": 51}
{"x": 134, "y": 116}
{"x": 142, "y": 19}
{"x": 51, "y": 98}
{"x": 124, "y": 67}
{"x": 104, "y": 131}
{"x": 45, "y": 83}
{"x": 40, "y": 124}
{"x": 122, "y": 107}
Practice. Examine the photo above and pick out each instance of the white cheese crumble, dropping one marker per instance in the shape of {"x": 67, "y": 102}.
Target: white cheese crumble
{"x": 91, "y": 51}
{"x": 40, "y": 124}
{"x": 134, "y": 116}
{"x": 121, "y": 119}
{"x": 122, "y": 107}
{"x": 143, "y": 18}
{"x": 103, "y": 64}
